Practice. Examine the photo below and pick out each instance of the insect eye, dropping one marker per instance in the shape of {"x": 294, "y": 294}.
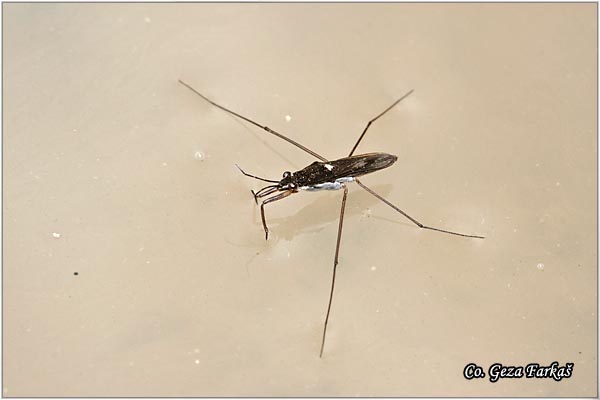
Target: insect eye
{"x": 287, "y": 174}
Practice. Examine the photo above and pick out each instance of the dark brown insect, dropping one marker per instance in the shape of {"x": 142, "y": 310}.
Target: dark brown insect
{"x": 326, "y": 175}
{"x": 331, "y": 175}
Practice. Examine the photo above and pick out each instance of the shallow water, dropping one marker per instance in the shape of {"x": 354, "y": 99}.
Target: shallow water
{"x": 134, "y": 258}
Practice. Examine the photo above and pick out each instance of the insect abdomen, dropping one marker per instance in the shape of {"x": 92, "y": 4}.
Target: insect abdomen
{"x": 337, "y": 185}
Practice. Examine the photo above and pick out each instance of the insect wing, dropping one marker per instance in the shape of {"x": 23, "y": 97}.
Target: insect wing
{"x": 361, "y": 164}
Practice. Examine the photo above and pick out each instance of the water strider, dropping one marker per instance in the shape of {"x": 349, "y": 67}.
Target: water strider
{"x": 326, "y": 175}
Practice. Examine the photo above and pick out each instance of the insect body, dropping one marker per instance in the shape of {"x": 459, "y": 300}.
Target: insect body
{"x": 326, "y": 175}
{"x": 330, "y": 175}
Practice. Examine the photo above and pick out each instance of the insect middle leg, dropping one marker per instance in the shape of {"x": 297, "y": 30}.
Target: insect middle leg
{"x": 280, "y": 196}
{"x": 375, "y": 119}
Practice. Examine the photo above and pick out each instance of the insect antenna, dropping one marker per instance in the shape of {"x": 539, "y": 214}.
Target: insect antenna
{"x": 264, "y": 127}
{"x": 255, "y": 177}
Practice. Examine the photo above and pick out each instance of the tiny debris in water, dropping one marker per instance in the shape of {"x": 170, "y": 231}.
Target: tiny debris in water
{"x": 55, "y": 234}
{"x": 199, "y": 155}
{"x": 288, "y": 118}
{"x": 540, "y": 266}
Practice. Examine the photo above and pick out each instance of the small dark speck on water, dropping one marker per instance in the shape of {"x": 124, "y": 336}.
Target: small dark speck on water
{"x": 75, "y": 273}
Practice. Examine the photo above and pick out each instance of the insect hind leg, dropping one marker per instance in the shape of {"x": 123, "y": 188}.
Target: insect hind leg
{"x": 335, "y": 263}
{"x": 414, "y": 221}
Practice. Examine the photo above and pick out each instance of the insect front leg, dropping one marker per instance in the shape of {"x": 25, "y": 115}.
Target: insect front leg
{"x": 263, "y": 192}
{"x": 280, "y": 196}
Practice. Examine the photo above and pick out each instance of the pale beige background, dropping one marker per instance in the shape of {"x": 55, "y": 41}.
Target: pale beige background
{"x": 115, "y": 171}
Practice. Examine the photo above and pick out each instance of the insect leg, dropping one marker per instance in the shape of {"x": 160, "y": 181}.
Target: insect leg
{"x": 420, "y": 225}
{"x": 280, "y": 196}
{"x": 267, "y": 190}
{"x": 263, "y": 127}
{"x": 376, "y": 118}
{"x": 335, "y": 263}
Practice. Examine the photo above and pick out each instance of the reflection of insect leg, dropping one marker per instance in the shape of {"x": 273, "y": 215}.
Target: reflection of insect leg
{"x": 280, "y": 196}
{"x": 335, "y": 263}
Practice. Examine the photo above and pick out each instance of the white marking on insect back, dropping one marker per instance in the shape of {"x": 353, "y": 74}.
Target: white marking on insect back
{"x": 328, "y": 166}
{"x": 337, "y": 185}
